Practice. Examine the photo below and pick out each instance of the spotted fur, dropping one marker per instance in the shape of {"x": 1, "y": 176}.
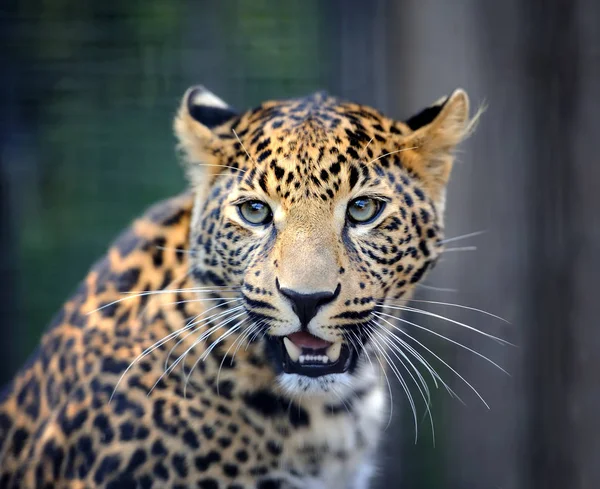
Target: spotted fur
{"x": 80, "y": 414}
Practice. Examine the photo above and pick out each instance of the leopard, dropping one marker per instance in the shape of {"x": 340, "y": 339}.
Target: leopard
{"x": 233, "y": 336}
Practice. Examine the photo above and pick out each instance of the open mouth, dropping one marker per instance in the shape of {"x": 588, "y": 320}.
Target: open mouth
{"x": 304, "y": 354}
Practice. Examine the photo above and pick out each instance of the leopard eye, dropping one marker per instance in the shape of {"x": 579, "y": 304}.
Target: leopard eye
{"x": 364, "y": 210}
{"x": 255, "y": 212}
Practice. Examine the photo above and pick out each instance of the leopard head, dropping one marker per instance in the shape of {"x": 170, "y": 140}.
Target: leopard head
{"x": 315, "y": 211}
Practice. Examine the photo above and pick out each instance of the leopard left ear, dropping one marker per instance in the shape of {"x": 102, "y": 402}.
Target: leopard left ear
{"x": 436, "y": 131}
{"x": 200, "y": 113}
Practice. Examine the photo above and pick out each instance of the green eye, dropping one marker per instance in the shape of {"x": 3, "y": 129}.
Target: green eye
{"x": 255, "y": 212}
{"x": 364, "y": 210}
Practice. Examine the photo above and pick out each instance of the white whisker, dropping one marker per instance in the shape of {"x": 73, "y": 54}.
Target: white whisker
{"x": 400, "y": 330}
{"x": 461, "y": 248}
{"x": 401, "y": 380}
{"x": 438, "y": 289}
{"x": 197, "y": 323}
{"x": 463, "y": 236}
{"x": 460, "y": 306}
{"x": 391, "y": 153}
{"x": 244, "y": 147}
{"x": 421, "y": 384}
{"x": 202, "y": 336}
{"x": 438, "y": 316}
{"x": 475, "y": 352}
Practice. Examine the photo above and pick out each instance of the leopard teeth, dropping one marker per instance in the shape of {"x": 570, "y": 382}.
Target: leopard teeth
{"x": 333, "y": 352}
{"x": 293, "y": 350}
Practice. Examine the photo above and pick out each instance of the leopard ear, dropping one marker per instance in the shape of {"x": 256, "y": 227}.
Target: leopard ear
{"x": 436, "y": 131}
{"x": 200, "y": 113}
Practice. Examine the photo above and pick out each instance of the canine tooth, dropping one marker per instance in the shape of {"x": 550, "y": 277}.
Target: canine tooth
{"x": 333, "y": 352}
{"x": 293, "y": 350}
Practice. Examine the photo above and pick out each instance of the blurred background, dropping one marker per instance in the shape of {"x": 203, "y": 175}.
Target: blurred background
{"x": 88, "y": 90}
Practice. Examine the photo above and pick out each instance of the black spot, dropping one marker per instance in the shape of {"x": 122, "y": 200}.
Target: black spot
{"x": 108, "y": 466}
{"x": 208, "y": 431}
{"x": 264, "y": 402}
{"x": 263, "y": 144}
{"x": 102, "y": 423}
{"x": 127, "y": 431}
{"x": 263, "y": 156}
{"x": 298, "y": 416}
{"x": 225, "y": 389}
{"x": 269, "y": 484}
{"x": 230, "y": 470}
{"x": 158, "y": 449}
{"x": 122, "y": 481}
{"x": 274, "y": 448}
{"x": 353, "y": 177}
{"x": 241, "y": 455}
{"x": 113, "y": 366}
{"x": 180, "y": 465}
{"x": 127, "y": 280}
{"x": 204, "y": 462}
{"x": 420, "y": 272}
{"x": 138, "y": 458}
{"x": 279, "y": 172}
{"x": 19, "y": 438}
{"x": 224, "y": 442}
{"x": 190, "y": 439}
{"x": 160, "y": 471}
{"x": 208, "y": 484}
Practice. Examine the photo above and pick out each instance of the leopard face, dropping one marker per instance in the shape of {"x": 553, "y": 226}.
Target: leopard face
{"x": 314, "y": 212}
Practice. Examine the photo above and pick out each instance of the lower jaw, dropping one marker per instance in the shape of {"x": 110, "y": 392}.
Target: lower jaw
{"x": 284, "y": 364}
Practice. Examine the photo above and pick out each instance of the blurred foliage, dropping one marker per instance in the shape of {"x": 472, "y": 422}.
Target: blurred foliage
{"x": 102, "y": 81}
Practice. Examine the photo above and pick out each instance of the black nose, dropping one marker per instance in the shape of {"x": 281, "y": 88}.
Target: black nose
{"x": 306, "y": 306}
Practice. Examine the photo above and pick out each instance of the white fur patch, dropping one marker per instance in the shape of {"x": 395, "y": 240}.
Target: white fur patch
{"x": 207, "y": 98}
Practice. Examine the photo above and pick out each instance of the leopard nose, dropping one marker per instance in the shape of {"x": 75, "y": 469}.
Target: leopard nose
{"x": 306, "y": 306}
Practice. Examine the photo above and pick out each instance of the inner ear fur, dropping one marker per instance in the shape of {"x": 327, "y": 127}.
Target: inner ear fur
{"x": 200, "y": 112}
{"x": 436, "y": 131}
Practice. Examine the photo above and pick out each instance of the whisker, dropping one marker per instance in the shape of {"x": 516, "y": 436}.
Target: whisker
{"x": 401, "y": 380}
{"x": 438, "y": 289}
{"x": 460, "y": 306}
{"x": 202, "y": 357}
{"x": 247, "y": 331}
{"x": 434, "y": 374}
{"x": 400, "y": 330}
{"x": 395, "y": 349}
{"x": 438, "y": 316}
{"x": 135, "y": 295}
{"x": 244, "y": 147}
{"x": 461, "y": 248}
{"x": 367, "y": 146}
{"x": 424, "y": 391}
{"x": 445, "y": 338}
{"x": 148, "y": 351}
{"x": 463, "y": 236}
{"x": 197, "y": 323}
{"x": 221, "y": 166}
{"x": 181, "y": 357}
{"x": 385, "y": 376}
{"x": 391, "y": 153}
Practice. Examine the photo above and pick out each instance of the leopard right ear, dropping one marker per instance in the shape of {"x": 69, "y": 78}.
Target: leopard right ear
{"x": 199, "y": 114}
